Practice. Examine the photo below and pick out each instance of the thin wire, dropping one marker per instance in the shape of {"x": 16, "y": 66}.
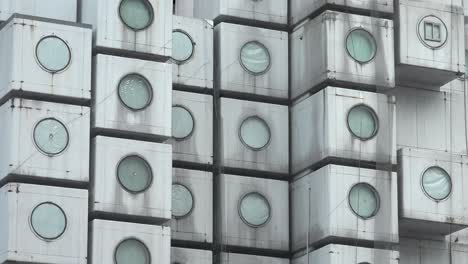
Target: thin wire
{"x": 308, "y": 224}
{"x": 360, "y": 151}
{"x": 359, "y": 194}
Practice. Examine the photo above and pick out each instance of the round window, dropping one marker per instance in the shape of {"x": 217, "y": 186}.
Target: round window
{"x": 182, "y": 201}
{"x": 254, "y": 209}
{"x": 182, "y": 46}
{"x": 136, "y": 14}
{"x": 182, "y": 123}
{"x": 363, "y": 122}
{"x": 48, "y": 221}
{"x": 255, "y": 133}
{"x": 135, "y": 92}
{"x": 132, "y": 251}
{"x": 361, "y": 45}
{"x": 53, "y": 54}
{"x": 436, "y": 183}
{"x": 255, "y": 58}
{"x": 50, "y": 136}
{"x": 134, "y": 174}
{"x": 364, "y": 200}
{"x": 432, "y": 32}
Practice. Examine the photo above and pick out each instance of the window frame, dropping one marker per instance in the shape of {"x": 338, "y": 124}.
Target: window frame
{"x": 150, "y": 87}
{"x": 239, "y": 211}
{"x": 429, "y": 42}
{"x": 34, "y": 229}
{"x": 374, "y": 41}
{"x": 432, "y": 26}
{"x": 261, "y": 45}
{"x": 376, "y": 195}
{"x": 43, "y": 151}
{"x": 266, "y": 125}
{"x": 43, "y": 67}
{"x": 424, "y": 189}
{"x": 192, "y": 54}
{"x": 193, "y": 201}
{"x": 134, "y": 239}
{"x": 133, "y": 155}
{"x": 152, "y": 15}
{"x": 374, "y": 115}
{"x": 193, "y": 120}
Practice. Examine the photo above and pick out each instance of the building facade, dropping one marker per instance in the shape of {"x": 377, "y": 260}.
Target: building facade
{"x": 233, "y": 131}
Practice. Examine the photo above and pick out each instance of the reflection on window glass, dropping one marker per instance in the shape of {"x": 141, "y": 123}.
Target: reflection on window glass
{"x": 53, "y": 54}
{"x": 132, "y": 251}
{"x": 361, "y": 45}
{"x": 182, "y": 200}
{"x": 436, "y": 183}
{"x": 51, "y": 136}
{"x": 254, "y": 209}
{"x": 436, "y": 32}
{"x": 48, "y": 221}
{"x": 364, "y": 200}
{"x": 136, "y": 14}
{"x": 134, "y": 174}
{"x": 135, "y": 92}
{"x": 182, "y": 46}
{"x": 362, "y": 122}
{"x": 182, "y": 123}
{"x": 427, "y": 31}
{"x": 255, "y": 133}
{"x": 255, "y": 58}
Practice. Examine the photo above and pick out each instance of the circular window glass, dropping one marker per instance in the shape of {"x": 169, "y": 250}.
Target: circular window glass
{"x": 182, "y": 201}
{"x": 132, "y": 251}
{"x": 432, "y": 32}
{"x": 134, "y": 174}
{"x": 50, "y": 136}
{"x": 182, "y": 123}
{"x": 53, "y": 54}
{"x": 135, "y": 92}
{"x": 255, "y": 133}
{"x": 254, "y": 209}
{"x": 363, "y": 122}
{"x": 48, "y": 221}
{"x": 136, "y": 14}
{"x": 255, "y": 58}
{"x": 361, "y": 45}
{"x": 364, "y": 200}
{"x": 436, "y": 183}
{"x": 182, "y": 46}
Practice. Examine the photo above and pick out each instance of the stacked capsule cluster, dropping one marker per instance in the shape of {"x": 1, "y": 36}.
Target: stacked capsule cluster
{"x": 370, "y": 97}
{"x": 233, "y": 131}
{"x": 86, "y": 105}
{"x": 44, "y": 161}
